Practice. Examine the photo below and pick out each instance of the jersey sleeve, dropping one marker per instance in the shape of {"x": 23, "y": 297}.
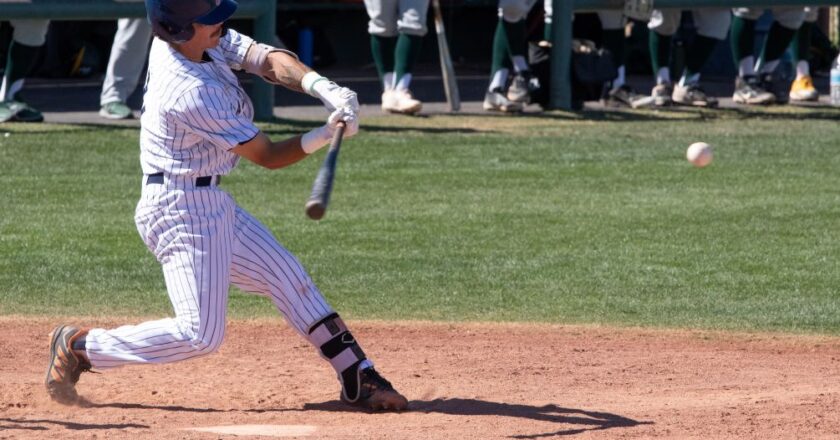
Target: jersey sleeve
{"x": 205, "y": 112}
{"x": 233, "y": 47}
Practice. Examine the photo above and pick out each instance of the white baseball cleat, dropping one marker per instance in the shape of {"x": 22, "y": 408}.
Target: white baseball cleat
{"x": 400, "y": 101}
{"x": 497, "y": 101}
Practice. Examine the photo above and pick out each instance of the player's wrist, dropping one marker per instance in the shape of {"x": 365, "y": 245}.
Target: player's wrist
{"x": 313, "y": 83}
{"x": 315, "y": 139}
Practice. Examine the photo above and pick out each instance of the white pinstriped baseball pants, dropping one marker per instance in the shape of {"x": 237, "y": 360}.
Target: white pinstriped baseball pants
{"x": 205, "y": 243}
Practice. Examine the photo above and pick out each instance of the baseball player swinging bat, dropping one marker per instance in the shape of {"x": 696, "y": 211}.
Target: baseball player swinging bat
{"x": 450, "y": 85}
{"x": 316, "y": 206}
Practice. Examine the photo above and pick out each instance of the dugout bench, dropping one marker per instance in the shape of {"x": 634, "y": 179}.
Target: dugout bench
{"x": 262, "y": 12}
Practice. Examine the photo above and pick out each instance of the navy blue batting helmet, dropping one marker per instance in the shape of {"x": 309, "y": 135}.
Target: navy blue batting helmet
{"x": 172, "y": 20}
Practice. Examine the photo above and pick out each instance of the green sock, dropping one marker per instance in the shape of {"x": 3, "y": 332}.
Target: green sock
{"x": 801, "y": 45}
{"x": 382, "y": 49}
{"x": 408, "y": 49}
{"x": 698, "y": 54}
{"x": 742, "y": 39}
{"x": 517, "y": 38}
{"x": 778, "y": 39}
{"x": 500, "y": 49}
{"x": 614, "y": 42}
{"x": 660, "y": 50}
{"x": 20, "y": 61}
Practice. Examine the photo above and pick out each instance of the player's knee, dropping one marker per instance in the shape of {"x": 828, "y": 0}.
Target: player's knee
{"x": 30, "y": 32}
{"x": 513, "y": 13}
{"x": 200, "y": 339}
{"x": 791, "y": 21}
{"x": 412, "y": 24}
{"x": 715, "y": 34}
{"x": 662, "y": 24}
{"x": 748, "y": 13}
{"x": 382, "y": 28}
{"x": 340, "y": 349}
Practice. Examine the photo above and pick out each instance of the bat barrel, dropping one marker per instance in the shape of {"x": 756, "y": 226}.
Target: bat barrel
{"x": 316, "y": 206}
{"x": 315, "y": 209}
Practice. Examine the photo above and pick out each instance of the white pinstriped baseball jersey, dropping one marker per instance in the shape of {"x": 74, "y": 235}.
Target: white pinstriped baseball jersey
{"x": 193, "y": 114}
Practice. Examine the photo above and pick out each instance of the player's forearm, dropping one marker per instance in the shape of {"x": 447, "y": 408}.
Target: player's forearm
{"x": 272, "y": 155}
{"x": 285, "y": 70}
{"x": 284, "y": 153}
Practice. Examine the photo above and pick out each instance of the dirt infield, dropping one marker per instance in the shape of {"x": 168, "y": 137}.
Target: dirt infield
{"x": 464, "y": 381}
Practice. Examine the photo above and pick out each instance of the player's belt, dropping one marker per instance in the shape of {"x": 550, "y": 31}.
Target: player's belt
{"x": 202, "y": 181}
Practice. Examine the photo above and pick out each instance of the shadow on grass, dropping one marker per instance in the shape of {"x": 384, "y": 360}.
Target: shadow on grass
{"x": 22, "y": 128}
{"x": 675, "y": 113}
{"x": 35, "y": 425}
{"x": 297, "y": 126}
{"x": 580, "y": 420}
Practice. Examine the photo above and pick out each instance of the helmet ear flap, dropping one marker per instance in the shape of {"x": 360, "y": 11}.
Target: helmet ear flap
{"x": 172, "y": 20}
{"x": 173, "y": 32}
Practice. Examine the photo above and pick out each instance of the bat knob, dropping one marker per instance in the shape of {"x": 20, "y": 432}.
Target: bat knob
{"x": 315, "y": 210}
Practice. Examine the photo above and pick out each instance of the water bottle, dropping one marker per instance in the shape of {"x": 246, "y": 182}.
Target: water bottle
{"x": 835, "y": 82}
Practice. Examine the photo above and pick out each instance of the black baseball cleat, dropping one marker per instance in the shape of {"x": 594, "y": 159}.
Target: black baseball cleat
{"x": 65, "y": 366}
{"x": 749, "y": 90}
{"x": 625, "y": 96}
{"x": 373, "y": 392}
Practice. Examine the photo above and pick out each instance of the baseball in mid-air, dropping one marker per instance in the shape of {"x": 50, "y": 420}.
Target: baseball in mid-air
{"x": 699, "y": 154}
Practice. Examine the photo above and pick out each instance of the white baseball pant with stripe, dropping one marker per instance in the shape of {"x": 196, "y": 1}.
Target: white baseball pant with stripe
{"x": 202, "y": 255}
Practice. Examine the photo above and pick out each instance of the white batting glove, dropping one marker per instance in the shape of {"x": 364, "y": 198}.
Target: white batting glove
{"x": 331, "y": 94}
{"x": 343, "y": 114}
{"x": 317, "y": 138}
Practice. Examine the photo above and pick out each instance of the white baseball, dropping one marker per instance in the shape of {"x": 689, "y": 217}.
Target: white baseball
{"x": 699, "y": 154}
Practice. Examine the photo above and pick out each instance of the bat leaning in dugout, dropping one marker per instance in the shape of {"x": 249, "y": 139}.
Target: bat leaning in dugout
{"x": 450, "y": 84}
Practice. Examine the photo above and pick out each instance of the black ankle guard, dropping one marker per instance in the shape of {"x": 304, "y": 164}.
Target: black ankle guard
{"x": 338, "y": 346}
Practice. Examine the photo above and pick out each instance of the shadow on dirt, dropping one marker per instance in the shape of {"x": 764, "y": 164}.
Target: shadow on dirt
{"x": 34, "y": 425}
{"x": 180, "y": 408}
{"x": 585, "y": 420}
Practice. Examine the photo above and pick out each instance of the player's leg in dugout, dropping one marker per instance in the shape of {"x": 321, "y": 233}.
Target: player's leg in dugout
{"x": 27, "y": 39}
{"x": 382, "y": 28}
{"x": 712, "y": 26}
{"x": 509, "y": 52}
{"x": 397, "y": 28}
{"x": 663, "y": 25}
{"x": 787, "y": 21}
{"x": 803, "y": 88}
{"x": 756, "y": 83}
{"x": 619, "y": 93}
{"x": 411, "y": 28}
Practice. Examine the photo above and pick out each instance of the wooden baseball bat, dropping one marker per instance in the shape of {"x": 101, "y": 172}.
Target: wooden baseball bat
{"x": 316, "y": 206}
{"x": 450, "y": 85}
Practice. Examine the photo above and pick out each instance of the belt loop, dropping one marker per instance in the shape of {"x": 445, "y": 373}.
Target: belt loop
{"x": 204, "y": 181}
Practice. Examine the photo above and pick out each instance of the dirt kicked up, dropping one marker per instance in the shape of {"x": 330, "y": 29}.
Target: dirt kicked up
{"x": 464, "y": 381}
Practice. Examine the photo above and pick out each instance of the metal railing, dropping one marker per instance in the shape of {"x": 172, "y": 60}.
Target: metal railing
{"x": 263, "y": 12}
{"x": 561, "y": 50}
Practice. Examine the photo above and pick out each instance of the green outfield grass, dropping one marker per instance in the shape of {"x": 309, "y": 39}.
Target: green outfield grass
{"x": 554, "y": 218}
